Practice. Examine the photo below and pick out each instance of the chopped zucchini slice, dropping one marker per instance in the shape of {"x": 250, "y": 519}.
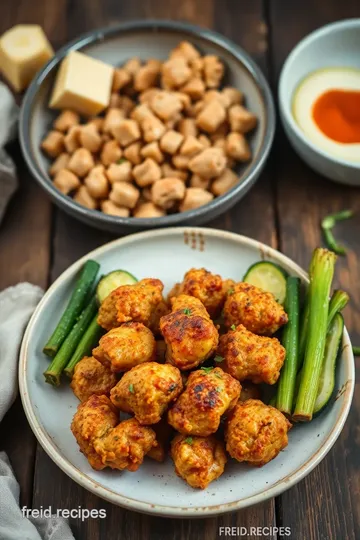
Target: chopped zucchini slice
{"x": 268, "y": 277}
{"x": 112, "y": 281}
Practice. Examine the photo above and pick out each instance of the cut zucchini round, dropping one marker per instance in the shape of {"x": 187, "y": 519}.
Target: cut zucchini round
{"x": 112, "y": 281}
{"x": 268, "y": 277}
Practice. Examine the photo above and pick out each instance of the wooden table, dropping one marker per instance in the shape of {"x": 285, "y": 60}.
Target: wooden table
{"x": 38, "y": 241}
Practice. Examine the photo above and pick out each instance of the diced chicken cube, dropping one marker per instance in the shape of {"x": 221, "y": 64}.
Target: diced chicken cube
{"x": 72, "y": 139}
{"x": 233, "y": 95}
{"x": 96, "y": 182}
{"x": 83, "y": 197}
{"x": 213, "y": 71}
{"x": 209, "y": 163}
{"x": 194, "y": 88}
{"x": 237, "y": 147}
{"x": 153, "y": 129}
{"x": 152, "y": 150}
{"x": 181, "y": 162}
{"x": 66, "y": 120}
{"x": 119, "y": 172}
{"x": 168, "y": 171}
{"x": 132, "y": 66}
{"x": 186, "y": 50}
{"x": 187, "y": 126}
{"x": 124, "y": 194}
{"x": 81, "y": 162}
{"x": 224, "y": 182}
{"x": 175, "y": 73}
{"x": 199, "y": 182}
{"x": 61, "y": 162}
{"x": 112, "y": 119}
{"x": 147, "y": 173}
{"x": 53, "y": 144}
{"x": 66, "y": 181}
{"x": 211, "y": 117}
{"x": 147, "y": 75}
{"x": 126, "y": 132}
{"x": 121, "y": 78}
{"x": 167, "y": 192}
{"x": 171, "y": 141}
{"x": 194, "y": 198}
{"x": 148, "y": 210}
{"x": 110, "y": 153}
{"x": 112, "y": 209}
{"x": 241, "y": 119}
{"x": 132, "y": 153}
{"x": 166, "y": 105}
{"x": 191, "y": 146}
{"x": 90, "y": 137}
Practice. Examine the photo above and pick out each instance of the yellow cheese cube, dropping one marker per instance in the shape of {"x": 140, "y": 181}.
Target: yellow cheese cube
{"x": 24, "y": 49}
{"x": 82, "y": 84}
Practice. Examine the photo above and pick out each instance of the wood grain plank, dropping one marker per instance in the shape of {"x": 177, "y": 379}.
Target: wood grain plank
{"x": 72, "y": 239}
{"x": 329, "y": 497}
{"x": 25, "y": 253}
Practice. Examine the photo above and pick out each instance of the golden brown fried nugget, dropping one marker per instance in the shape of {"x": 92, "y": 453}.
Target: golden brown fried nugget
{"x": 248, "y": 356}
{"x": 93, "y": 419}
{"x": 209, "y": 393}
{"x": 142, "y": 302}
{"x": 91, "y": 377}
{"x": 256, "y": 432}
{"x": 146, "y": 391}
{"x": 256, "y": 309}
{"x": 198, "y": 460}
{"x": 125, "y": 446}
{"x": 209, "y": 288}
{"x": 190, "y": 335}
{"x": 125, "y": 347}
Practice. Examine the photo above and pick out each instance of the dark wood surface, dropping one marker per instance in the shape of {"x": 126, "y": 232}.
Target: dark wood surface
{"x": 37, "y": 242}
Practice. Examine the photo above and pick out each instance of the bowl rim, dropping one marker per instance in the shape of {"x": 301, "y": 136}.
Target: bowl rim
{"x": 168, "y": 511}
{"x": 249, "y": 175}
{"x": 285, "y": 100}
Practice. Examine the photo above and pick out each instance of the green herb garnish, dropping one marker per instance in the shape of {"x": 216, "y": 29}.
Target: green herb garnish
{"x": 188, "y": 440}
{"x": 207, "y": 369}
{"x": 121, "y": 160}
{"x": 187, "y": 311}
{"x": 218, "y": 375}
{"x": 131, "y": 388}
{"x": 233, "y": 327}
{"x": 231, "y": 291}
{"x": 218, "y": 389}
{"x": 219, "y": 358}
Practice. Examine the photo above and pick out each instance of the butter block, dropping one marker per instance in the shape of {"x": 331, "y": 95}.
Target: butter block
{"x": 83, "y": 84}
{"x": 24, "y": 49}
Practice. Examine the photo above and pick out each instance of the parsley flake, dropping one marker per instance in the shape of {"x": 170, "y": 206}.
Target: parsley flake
{"x": 188, "y": 440}
{"x": 233, "y": 327}
{"x": 187, "y": 311}
{"x": 207, "y": 369}
{"x": 218, "y": 389}
{"x": 121, "y": 160}
{"x": 230, "y": 292}
{"x": 219, "y": 358}
{"x": 218, "y": 375}
{"x": 131, "y": 388}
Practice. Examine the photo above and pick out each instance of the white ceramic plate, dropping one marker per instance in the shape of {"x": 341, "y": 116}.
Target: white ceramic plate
{"x": 167, "y": 254}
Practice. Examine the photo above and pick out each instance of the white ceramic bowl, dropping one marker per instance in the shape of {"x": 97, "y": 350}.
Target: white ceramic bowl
{"x": 334, "y": 45}
{"x": 155, "y": 488}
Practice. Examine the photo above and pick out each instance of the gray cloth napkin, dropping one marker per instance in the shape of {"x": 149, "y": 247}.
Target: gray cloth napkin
{"x": 16, "y": 306}
{"x": 9, "y": 112}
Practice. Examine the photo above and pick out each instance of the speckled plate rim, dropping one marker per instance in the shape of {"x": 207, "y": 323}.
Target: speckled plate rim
{"x": 249, "y": 175}
{"x": 162, "y": 510}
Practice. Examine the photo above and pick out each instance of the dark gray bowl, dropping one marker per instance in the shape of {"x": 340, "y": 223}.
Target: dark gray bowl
{"x": 149, "y": 39}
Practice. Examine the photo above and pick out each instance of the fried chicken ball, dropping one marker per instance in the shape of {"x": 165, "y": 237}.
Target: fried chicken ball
{"x": 163, "y": 434}
{"x": 256, "y": 309}
{"x": 207, "y": 287}
{"x": 125, "y": 446}
{"x": 91, "y": 377}
{"x": 190, "y": 335}
{"x": 209, "y": 393}
{"x": 198, "y": 460}
{"x": 248, "y": 356}
{"x": 142, "y": 302}
{"x": 93, "y": 419}
{"x": 146, "y": 391}
{"x": 256, "y": 432}
{"x": 125, "y": 347}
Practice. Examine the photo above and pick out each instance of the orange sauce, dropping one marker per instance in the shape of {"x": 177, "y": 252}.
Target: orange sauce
{"x": 337, "y": 115}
